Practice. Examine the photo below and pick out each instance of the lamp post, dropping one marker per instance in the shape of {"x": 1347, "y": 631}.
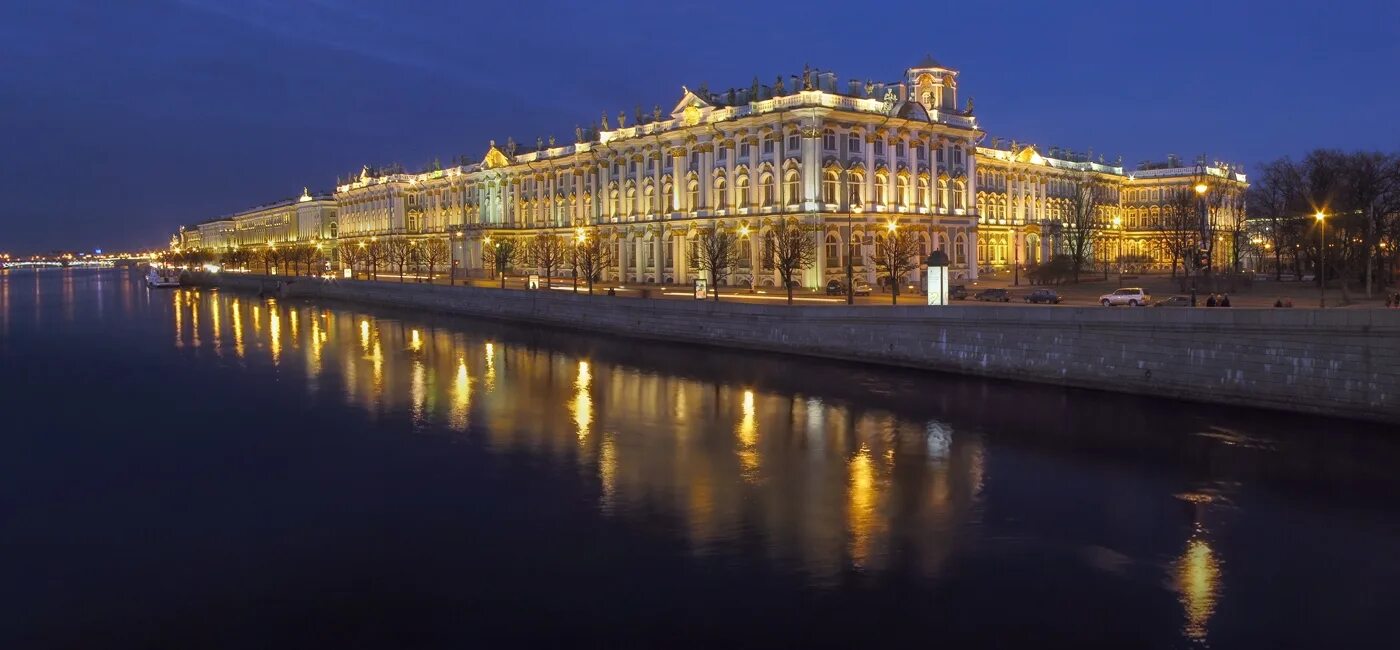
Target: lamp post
{"x": 1201, "y": 189}
{"x": 850, "y": 244}
{"x": 1322, "y": 259}
{"x": 1118, "y": 225}
{"x": 579, "y": 236}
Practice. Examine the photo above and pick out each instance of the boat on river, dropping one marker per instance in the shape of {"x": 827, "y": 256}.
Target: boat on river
{"x": 163, "y": 276}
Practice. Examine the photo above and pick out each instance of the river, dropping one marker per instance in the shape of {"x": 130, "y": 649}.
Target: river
{"x": 196, "y": 468}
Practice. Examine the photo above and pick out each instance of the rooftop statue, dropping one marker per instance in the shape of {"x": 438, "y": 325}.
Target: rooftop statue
{"x": 605, "y": 122}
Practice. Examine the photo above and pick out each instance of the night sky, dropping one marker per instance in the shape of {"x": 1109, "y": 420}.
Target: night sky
{"x": 121, "y": 120}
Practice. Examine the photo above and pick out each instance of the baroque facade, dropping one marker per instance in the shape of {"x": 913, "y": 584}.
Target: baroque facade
{"x": 846, "y": 163}
{"x": 306, "y": 219}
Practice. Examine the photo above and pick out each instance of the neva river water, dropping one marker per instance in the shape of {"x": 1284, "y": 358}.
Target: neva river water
{"x": 200, "y": 469}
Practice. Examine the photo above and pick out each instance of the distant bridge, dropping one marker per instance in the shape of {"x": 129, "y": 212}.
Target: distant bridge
{"x": 45, "y": 264}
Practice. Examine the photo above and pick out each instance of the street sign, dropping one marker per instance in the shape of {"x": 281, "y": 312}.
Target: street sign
{"x": 701, "y": 289}
{"x": 533, "y": 282}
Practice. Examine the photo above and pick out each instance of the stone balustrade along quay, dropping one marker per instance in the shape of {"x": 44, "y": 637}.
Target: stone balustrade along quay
{"x": 1338, "y": 362}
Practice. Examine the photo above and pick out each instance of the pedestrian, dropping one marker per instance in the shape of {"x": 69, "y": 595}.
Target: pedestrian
{"x": 1210, "y": 302}
{"x": 1278, "y": 302}
{"x": 1224, "y": 300}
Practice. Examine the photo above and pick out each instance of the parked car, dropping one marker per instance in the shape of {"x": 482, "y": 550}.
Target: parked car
{"x": 1174, "y": 301}
{"x": 860, "y": 287}
{"x": 993, "y": 295}
{"x": 835, "y": 288}
{"x": 1132, "y": 297}
{"x": 957, "y": 292}
{"x": 1046, "y": 296}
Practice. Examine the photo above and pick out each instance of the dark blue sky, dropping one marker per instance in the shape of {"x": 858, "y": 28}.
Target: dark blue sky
{"x": 121, "y": 120}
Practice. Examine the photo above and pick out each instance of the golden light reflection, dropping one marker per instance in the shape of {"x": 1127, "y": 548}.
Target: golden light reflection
{"x": 313, "y": 352}
{"x": 490, "y": 367}
{"x": 748, "y": 439}
{"x": 274, "y": 333}
{"x": 376, "y": 357}
{"x": 416, "y": 341}
{"x": 257, "y": 319}
{"x": 461, "y": 396}
{"x": 194, "y": 320}
{"x": 237, "y": 329}
{"x": 418, "y": 388}
{"x": 583, "y": 401}
{"x": 214, "y": 326}
{"x": 179, "y": 322}
{"x": 292, "y": 320}
{"x": 364, "y": 335}
{"x": 1198, "y": 583}
{"x": 860, "y": 505}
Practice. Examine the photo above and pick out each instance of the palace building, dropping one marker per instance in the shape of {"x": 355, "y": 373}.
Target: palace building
{"x": 847, "y": 162}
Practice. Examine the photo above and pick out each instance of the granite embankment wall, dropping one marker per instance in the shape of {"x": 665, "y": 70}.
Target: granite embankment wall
{"x": 1341, "y": 362}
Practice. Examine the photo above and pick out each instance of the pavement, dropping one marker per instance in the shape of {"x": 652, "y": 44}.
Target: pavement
{"x": 1086, "y": 293}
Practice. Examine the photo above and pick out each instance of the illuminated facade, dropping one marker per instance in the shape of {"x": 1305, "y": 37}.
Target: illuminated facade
{"x": 847, "y": 161}
{"x": 307, "y": 219}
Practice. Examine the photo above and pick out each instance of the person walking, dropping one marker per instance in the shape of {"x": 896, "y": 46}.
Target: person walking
{"x": 1278, "y": 302}
{"x": 1210, "y": 302}
{"x": 1224, "y": 300}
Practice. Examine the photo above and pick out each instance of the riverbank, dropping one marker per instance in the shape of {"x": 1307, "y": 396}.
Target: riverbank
{"x": 1343, "y": 363}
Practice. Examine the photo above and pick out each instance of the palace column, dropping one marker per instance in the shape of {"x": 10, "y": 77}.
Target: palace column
{"x": 638, "y": 241}
{"x": 682, "y": 265}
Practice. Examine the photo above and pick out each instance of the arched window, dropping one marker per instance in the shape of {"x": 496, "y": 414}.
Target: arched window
{"x": 922, "y": 198}
{"x": 613, "y": 203}
{"x": 741, "y": 191}
{"x": 941, "y": 198}
{"x": 765, "y": 190}
{"x": 692, "y": 195}
{"x": 881, "y": 189}
{"x": 831, "y": 187}
{"x": 721, "y": 195}
{"x": 829, "y": 140}
{"x": 960, "y": 250}
{"x": 334, "y": 230}
{"x": 857, "y": 256}
{"x": 668, "y": 197}
{"x": 649, "y": 197}
{"x": 631, "y": 200}
{"x": 833, "y": 249}
{"x": 901, "y": 190}
{"x": 853, "y": 183}
{"x": 746, "y": 252}
{"x": 792, "y": 187}
{"x": 769, "y": 244}
{"x": 959, "y": 188}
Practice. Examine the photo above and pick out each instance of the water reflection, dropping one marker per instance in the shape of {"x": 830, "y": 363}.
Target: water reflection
{"x": 815, "y": 478}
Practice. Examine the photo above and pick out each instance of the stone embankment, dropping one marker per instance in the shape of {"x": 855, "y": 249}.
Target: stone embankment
{"x": 1339, "y": 362}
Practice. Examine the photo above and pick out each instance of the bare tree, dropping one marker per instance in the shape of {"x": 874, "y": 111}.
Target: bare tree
{"x": 501, "y": 253}
{"x": 896, "y": 254}
{"x": 399, "y": 252}
{"x": 794, "y": 251}
{"x": 1178, "y": 225}
{"x": 593, "y": 256}
{"x": 720, "y": 251}
{"x": 546, "y": 251}
{"x": 238, "y": 258}
{"x": 375, "y": 253}
{"x": 1083, "y": 221}
{"x": 434, "y": 252}
{"x": 1274, "y": 199}
{"x": 351, "y": 254}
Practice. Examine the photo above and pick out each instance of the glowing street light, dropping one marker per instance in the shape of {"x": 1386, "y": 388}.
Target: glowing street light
{"x": 1322, "y": 261}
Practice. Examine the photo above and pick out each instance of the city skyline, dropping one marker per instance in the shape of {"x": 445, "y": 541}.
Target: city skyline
{"x": 275, "y": 97}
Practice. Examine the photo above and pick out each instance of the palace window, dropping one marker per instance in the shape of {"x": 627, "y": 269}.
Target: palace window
{"x": 901, "y": 190}
{"x": 833, "y": 249}
{"x": 649, "y": 196}
{"x": 769, "y": 244}
{"x": 831, "y": 186}
{"x": 792, "y": 188}
{"x": 668, "y": 198}
{"x": 743, "y": 150}
{"x": 958, "y": 191}
{"x": 695, "y": 160}
{"x": 879, "y": 147}
{"x": 721, "y": 153}
{"x": 957, "y": 155}
{"x": 614, "y": 207}
{"x": 829, "y": 140}
{"x": 853, "y": 183}
{"x": 857, "y": 256}
{"x": 899, "y": 150}
{"x": 692, "y": 195}
{"x": 960, "y": 250}
{"x": 768, "y": 145}
{"x": 922, "y": 187}
{"x": 881, "y": 189}
{"x": 721, "y": 197}
{"x": 938, "y": 154}
{"x": 765, "y": 190}
{"x": 853, "y": 144}
{"x": 794, "y": 142}
{"x": 920, "y": 154}
{"x": 741, "y": 191}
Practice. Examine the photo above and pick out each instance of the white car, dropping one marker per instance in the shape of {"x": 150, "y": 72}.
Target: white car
{"x": 1131, "y": 297}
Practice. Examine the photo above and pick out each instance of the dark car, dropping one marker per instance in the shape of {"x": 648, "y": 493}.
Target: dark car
{"x": 957, "y": 292}
{"x": 835, "y": 288}
{"x": 1174, "y": 301}
{"x": 1043, "y": 296}
{"x": 993, "y": 295}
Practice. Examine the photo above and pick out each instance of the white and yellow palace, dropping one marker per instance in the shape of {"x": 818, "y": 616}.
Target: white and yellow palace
{"x": 846, "y": 163}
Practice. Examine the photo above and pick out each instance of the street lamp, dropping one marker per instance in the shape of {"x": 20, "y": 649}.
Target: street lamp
{"x": 1118, "y": 225}
{"x": 1322, "y": 259}
{"x": 579, "y": 236}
